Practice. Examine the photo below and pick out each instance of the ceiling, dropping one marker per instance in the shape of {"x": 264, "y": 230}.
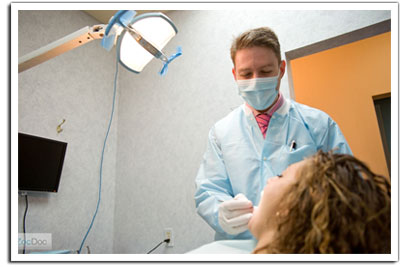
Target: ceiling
{"x": 104, "y": 15}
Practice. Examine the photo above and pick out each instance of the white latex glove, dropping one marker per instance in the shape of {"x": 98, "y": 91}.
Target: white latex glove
{"x": 234, "y": 214}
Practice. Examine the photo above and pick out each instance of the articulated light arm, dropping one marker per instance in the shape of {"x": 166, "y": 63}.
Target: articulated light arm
{"x": 146, "y": 45}
{"x": 134, "y": 51}
{"x": 69, "y": 42}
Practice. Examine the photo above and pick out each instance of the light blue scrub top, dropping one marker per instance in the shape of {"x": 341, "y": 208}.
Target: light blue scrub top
{"x": 239, "y": 160}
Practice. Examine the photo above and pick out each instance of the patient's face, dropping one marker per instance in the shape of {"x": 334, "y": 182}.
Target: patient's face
{"x": 275, "y": 189}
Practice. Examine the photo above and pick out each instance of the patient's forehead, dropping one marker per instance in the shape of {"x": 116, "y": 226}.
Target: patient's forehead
{"x": 296, "y": 167}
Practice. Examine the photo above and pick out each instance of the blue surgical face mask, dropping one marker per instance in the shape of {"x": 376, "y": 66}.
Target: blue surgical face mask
{"x": 259, "y": 93}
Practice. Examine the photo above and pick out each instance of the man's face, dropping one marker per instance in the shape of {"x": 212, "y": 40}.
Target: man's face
{"x": 257, "y": 62}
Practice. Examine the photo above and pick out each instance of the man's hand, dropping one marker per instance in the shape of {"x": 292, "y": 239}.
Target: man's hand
{"x": 234, "y": 214}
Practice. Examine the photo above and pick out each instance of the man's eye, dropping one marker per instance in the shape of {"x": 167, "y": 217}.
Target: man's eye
{"x": 279, "y": 175}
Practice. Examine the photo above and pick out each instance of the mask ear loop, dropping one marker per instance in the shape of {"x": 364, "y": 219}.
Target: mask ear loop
{"x": 165, "y": 67}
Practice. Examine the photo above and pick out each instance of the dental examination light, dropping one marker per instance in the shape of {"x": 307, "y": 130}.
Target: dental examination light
{"x": 138, "y": 40}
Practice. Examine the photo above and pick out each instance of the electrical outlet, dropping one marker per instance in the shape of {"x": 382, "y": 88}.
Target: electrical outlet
{"x": 169, "y": 234}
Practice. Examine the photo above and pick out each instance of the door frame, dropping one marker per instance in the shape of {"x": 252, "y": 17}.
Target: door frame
{"x": 357, "y": 35}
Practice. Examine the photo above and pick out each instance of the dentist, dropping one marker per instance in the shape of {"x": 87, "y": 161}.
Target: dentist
{"x": 257, "y": 140}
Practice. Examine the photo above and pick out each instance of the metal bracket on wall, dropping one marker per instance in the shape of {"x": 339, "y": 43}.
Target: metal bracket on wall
{"x": 59, "y": 129}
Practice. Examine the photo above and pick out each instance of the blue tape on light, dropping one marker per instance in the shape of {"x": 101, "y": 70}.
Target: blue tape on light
{"x": 127, "y": 17}
{"x": 121, "y": 19}
{"x": 165, "y": 67}
{"x": 108, "y": 41}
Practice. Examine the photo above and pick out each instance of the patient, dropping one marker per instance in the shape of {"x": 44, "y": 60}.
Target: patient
{"x": 328, "y": 203}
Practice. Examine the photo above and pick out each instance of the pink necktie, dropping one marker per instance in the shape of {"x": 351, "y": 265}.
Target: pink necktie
{"x": 263, "y": 120}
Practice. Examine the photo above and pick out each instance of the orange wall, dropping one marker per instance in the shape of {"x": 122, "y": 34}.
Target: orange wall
{"x": 342, "y": 82}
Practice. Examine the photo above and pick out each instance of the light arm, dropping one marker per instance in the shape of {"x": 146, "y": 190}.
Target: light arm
{"x": 61, "y": 46}
{"x": 146, "y": 45}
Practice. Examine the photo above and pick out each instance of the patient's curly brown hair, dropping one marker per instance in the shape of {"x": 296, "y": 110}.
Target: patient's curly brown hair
{"x": 337, "y": 205}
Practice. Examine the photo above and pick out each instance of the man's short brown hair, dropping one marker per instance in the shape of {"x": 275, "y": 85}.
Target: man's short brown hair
{"x": 261, "y": 37}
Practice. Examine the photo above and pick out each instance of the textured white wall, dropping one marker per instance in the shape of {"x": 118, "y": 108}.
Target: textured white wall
{"x": 164, "y": 121}
{"x": 76, "y": 86}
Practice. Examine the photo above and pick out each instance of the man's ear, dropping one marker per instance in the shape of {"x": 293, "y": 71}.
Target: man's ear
{"x": 234, "y": 73}
{"x": 282, "y": 68}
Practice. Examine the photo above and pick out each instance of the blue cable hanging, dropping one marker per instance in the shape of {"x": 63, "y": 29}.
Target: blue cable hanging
{"x": 102, "y": 159}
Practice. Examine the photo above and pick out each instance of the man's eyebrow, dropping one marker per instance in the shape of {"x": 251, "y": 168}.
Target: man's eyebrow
{"x": 268, "y": 65}
{"x": 261, "y": 67}
{"x": 244, "y": 70}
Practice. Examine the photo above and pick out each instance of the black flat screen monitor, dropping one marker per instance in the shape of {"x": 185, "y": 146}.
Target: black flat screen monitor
{"x": 40, "y": 163}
